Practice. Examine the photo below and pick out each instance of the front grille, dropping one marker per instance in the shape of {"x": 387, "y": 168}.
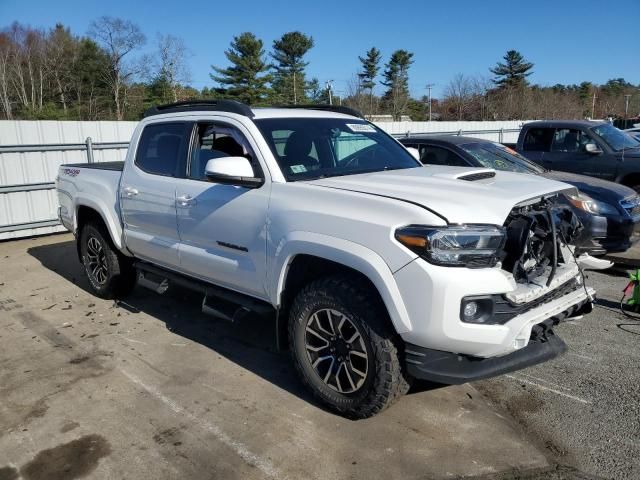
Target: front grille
{"x": 631, "y": 205}
{"x": 504, "y": 310}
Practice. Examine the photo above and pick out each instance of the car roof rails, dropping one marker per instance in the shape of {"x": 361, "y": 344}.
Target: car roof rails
{"x": 328, "y": 108}
{"x": 231, "y": 106}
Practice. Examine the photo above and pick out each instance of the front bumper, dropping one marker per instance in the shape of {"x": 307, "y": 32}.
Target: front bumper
{"x": 603, "y": 235}
{"x": 454, "y": 369}
{"x": 432, "y": 296}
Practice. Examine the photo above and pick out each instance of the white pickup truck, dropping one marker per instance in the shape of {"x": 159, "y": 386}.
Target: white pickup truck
{"x": 377, "y": 270}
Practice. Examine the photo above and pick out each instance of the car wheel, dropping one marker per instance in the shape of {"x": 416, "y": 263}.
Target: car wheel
{"x": 110, "y": 274}
{"x": 344, "y": 347}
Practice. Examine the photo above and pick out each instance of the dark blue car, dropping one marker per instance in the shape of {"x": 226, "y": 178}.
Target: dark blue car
{"x": 609, "y": 211}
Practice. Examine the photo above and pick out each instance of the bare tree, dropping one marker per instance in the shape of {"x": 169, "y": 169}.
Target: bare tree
{"x": 355, "y": 95}
{"x": 119, "y": 38}
{"x": 5, "y": 54}
{"x": 459, "y": 94}
{"x": 172, "y": 62}
{"x": 27, "y": 65}
{"x": 61, "y": 55}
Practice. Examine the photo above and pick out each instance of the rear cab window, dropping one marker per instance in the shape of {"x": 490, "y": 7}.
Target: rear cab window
{"x": 162, "y": 148}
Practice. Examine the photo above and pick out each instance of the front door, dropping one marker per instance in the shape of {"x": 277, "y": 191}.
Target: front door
{"x": 568, "y": 153}
{"x": 148, "y": 193}
{"x": 222, "y": 228}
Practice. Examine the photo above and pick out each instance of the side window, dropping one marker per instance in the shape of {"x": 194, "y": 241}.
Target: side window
{"x": 162, "y": 148}
{"x": 432, "y": 155}
{"x": 214, "y": 140}
{"x": 538, "y": 140}
{"x": 569, "y": 140}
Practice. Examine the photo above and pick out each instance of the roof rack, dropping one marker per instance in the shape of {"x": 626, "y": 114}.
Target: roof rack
{"x": 329, "y": 108}
{"x": 230, "y": 106}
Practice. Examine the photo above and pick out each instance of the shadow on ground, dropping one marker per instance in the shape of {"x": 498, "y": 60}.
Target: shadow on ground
{"x": 249, "y": 342}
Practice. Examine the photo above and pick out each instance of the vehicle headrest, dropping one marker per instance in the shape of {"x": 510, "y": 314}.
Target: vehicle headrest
{"x": 298, "y": 145}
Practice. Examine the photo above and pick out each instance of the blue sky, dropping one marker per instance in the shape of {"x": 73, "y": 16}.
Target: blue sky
{"x": 569, "y": 41}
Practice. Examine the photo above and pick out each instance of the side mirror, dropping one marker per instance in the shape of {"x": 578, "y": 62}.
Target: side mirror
{"x": 232, "y": 171}
{"x": 415, "y": 153}
{"x": 592, "y": 148}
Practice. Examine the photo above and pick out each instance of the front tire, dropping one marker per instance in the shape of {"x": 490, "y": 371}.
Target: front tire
{"x": 110, "y": 274}
{"x": 344, "y": 347}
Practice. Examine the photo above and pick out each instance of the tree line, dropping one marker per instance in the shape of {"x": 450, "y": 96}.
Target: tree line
{"x": 55, "y": 74}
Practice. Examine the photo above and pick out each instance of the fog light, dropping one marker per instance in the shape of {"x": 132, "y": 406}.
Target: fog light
{"x": 470, "y": 309}
{"x": 477, "y": 309}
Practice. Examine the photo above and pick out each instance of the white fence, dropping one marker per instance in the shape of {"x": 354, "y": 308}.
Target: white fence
{"x": 32, "y": 151}
{"x": 30, "y": 154}
{"x": 506, "y": 131}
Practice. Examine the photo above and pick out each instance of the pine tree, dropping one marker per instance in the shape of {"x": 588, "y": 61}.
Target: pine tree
{"x": 396, "y": 79}
{"x": 370, "y": 69}
{"x": 289, "y": 83}
{"x": 514, "y": 72}
{"x": 316, "y": 93}
{"x": 245, "y": 79}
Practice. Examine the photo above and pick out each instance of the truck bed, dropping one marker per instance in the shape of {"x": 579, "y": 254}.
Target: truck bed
{"x": 116, "y": 166}
{"x": 89, "y": 184}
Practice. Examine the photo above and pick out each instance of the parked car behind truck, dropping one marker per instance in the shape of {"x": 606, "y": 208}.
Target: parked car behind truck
{"x": 377, "y": 270}
{"x": 609, "y": 212}
{"x": 596, "y": 149}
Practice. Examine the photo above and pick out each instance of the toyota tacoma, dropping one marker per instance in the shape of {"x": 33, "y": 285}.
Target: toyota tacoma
{"x": 375, "y": 270}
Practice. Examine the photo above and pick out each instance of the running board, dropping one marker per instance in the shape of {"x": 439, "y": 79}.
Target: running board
{"x": 153, "y": 282}
{"x": 218, "y": 301}
{"x": 224, "y": 310}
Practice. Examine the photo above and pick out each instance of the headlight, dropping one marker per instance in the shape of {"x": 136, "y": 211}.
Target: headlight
{"x": 472, "y": 246}
{"x": 588, "y": 204}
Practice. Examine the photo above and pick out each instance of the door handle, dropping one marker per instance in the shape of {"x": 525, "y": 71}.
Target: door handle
{"x": 130, "y": 191}
{"x": 185, "y": 201}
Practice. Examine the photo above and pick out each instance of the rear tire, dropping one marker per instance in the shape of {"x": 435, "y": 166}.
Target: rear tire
{"x": 344, "y": 347}
{"x": 110, "y": 273}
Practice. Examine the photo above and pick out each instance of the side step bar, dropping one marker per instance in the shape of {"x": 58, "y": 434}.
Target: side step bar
{"x": 218, "y": 301}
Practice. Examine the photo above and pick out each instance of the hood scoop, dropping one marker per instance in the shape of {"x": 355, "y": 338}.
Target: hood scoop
{"x": 469, "y": 176}
{"x": 472, "y": 177}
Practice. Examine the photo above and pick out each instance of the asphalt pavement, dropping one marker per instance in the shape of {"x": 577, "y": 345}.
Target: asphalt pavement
{"x": 153, "y": 389}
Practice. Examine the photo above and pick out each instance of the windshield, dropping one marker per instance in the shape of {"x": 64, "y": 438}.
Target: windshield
{"x": 616, "y": 139}
{"x": 499, "y": 157}
{"x": 309, "y": 148}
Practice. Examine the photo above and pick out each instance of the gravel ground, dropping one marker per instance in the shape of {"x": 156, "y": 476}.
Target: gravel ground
{"x": 584, "y": 407}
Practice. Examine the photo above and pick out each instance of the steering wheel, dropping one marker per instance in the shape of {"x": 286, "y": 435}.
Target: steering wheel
{"x": 355, "y": 157}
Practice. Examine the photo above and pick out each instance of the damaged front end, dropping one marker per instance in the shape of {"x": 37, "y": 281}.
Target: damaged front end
{"x": 539, "y": 254}
{"x": 538, "y": 239}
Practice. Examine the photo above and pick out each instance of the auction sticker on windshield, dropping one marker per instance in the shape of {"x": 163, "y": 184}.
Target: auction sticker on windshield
{"x": 361, "y": 127}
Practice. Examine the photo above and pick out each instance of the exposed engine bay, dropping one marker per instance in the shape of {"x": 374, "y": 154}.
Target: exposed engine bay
{"x": 538, "y": 236}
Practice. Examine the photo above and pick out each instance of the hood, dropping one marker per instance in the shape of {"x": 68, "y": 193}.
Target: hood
{"x": 440, "y": 189}
{"x": 597, "y": 188}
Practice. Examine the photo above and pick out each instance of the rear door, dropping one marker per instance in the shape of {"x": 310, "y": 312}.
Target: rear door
{"x": 148, "y": 192}
{"x": 536, "y": 143}
{"x": 222, "y": 228}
